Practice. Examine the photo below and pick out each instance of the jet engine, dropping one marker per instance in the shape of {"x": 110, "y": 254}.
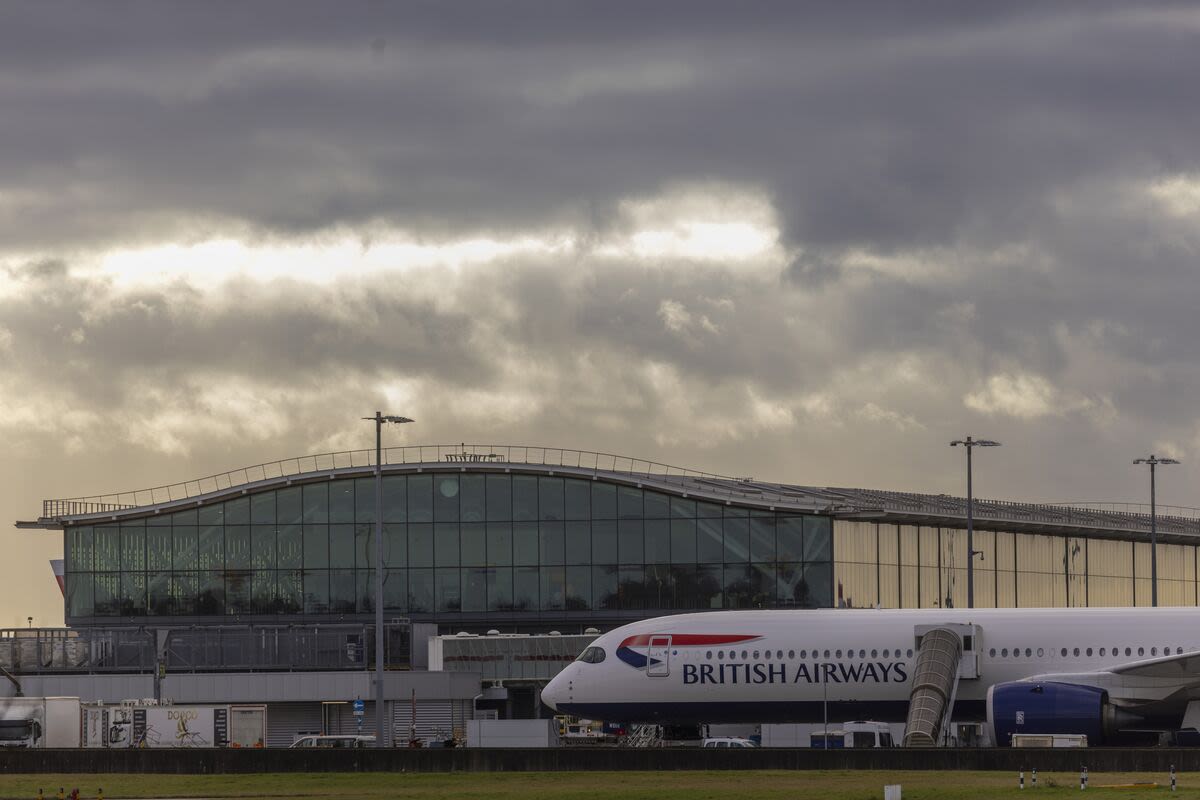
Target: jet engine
{"x": 1048, "y": 707}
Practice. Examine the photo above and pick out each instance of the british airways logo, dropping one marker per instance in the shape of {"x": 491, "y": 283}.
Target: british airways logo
{"x": 652, "y": 652}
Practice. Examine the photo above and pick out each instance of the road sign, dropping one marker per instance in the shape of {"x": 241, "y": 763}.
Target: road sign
{"x": 359, "y": 708}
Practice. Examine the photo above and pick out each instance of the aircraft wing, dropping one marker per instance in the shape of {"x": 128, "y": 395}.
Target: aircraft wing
{"x": 1178, "y": 667}
{"x": 1139, "y": 682}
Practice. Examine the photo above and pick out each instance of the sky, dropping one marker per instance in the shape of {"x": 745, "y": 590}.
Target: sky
{"x": 804, "y": 242}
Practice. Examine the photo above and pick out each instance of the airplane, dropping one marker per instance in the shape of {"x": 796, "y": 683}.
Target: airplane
{"x": 1108, "y": 673}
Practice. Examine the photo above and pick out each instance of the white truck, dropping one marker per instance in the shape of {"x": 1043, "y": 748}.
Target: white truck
{"x": 39, "y": 722}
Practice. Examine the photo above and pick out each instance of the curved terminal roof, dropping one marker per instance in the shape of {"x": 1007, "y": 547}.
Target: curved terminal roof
{"x": 1110, "y": 520}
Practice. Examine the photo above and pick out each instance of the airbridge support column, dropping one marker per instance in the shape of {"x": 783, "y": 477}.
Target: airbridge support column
{"x": 935, "y": 680}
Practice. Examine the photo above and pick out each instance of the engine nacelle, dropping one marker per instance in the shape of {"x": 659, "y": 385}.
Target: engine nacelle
{"x": 1047, "y": 707}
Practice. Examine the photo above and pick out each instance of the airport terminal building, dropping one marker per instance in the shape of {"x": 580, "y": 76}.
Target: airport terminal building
{"x": 270, "y": 569}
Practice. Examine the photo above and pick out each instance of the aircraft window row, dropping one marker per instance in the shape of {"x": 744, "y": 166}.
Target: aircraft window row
{"x": 1116, "y": 651}
{"x": 721, "y": 655}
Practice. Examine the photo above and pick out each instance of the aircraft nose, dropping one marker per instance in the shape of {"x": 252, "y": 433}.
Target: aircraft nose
{"x": 555, "y": 691}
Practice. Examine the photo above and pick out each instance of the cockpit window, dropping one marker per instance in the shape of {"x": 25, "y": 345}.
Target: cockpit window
{"x": 592, "y": 655}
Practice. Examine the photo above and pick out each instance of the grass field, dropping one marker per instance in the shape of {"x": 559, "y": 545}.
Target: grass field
{"x": 723, "y": 785}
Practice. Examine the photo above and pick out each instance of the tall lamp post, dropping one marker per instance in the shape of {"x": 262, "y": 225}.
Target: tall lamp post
{"x": 970, "y": 444}
{"x": 1153, "y": 462}
{"x": 379, "y": 419}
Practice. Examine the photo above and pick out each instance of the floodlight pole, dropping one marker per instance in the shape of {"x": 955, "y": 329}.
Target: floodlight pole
{"x": 379, "y": 419}
{"x": 970, "y": 444}
{"x": 1153, "y": 462}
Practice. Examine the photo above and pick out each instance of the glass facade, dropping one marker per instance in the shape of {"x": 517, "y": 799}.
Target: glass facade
{"x": 454, "y": 544}
{"x": 906, "y": 566}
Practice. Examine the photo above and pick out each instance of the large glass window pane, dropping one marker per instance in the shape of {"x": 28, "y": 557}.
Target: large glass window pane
{"x": 81, "y": 599}
{"x": 578, "y": 588}
{"x": 551, "y": 543}
{"x": 364, "y": 592}
{"x": 364, "y": 500}
{"x": 737, "y": 586}
{"x": 133, "y": 594}
{"x": 157, "y": 593}
{"x": 183, "y": 593}
{"x": 499, "y": 543}
{"x": 709, "y": 510}
{"x": 474, "y": 544}
{"x": 341, "y": 501}
{"x": 525, "y": 543}
{"x": 578, "y": 499}
{"x": 158, "y": 549}
{"x": 262, "y": 591}
{"x": 186, "y": 517}
{"x": 210, "y": 593}
{"x": 237, "y": 548}
{"x": 762, "y": 539}
{"x": 791, "y": 589}
{"x": 395, "y": 590}
{"x": 737, "y": 540}
{"x": 578, "y": 545}
{"x": 237, "y": 592}
{"x": 818, "y": 577}
{"x": 395, "y": 547}
{"x": 791, "y": 538}
{"x": 420, "y": 498}
{"x": 395, "y": 498}
{"x": 604, "y": 588}
{"x": 709, "y": 546}
{"x": 659, "y": 590}
{"x": 524, "y": 497}
{"x": 629, "y": 541}
{"x": 762, "y": 586}
{"x": 449, "y": 596}
{"x": 683, "y": 508}
{"x": 629, "y": 502}
{"x": 816, "y": 539}
{"x": 683, "y": 580}
{"x": 341, "y": 546}
{"x": 237, "y": 511}
{"x": 212, "y": 515}
{"x": 474, "y": 507}
{"x": 133, "y": 548}
{"x": 420, "y": 545}
{"x": 658, "y": 541}
{"x": 445, "y": 544}
{"x": 445, "y": 498}
{"x": 316, "y": 547}
{"x": 708, "y": 586}
{"x": 289, "y": 540}
{"x": 500, "y": 589}
{"x": 474, "y": 589}
{"x": 364, "y": 545}
{"x": 79, "y": 549}
{"x": 262, "y": 547}
{"x": 553, "y": 597}
{"x": 604, "y": 542}
{"x": 604, "y": 500}
{"x": 316, "y": 505}
{"x": 289, "y": 508}
{"x": 184, "y": 543}
{"x": 550, "y": 499}
{"x": 420, "y": 591}
{"x": 108, "y": 589}
{"x": 316, "y": 591}
{"x": 107, "y": 552}
{"x": 499, "y": 498}
{"x": 341, "y": 591}
{"x": 631, "y": 586}
{"x": 683, "y": 541}
{"x": 525, "y": 588}
{"x": 289, "y": 591}
{"x": 657, "y": 506}
{"x": 262, "y": 508}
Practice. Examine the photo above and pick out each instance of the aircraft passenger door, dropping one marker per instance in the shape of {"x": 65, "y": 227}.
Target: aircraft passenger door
{"x": 658, "y": 657}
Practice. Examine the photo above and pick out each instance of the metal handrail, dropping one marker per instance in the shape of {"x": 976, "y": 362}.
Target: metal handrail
{"x": 412, "y": 454}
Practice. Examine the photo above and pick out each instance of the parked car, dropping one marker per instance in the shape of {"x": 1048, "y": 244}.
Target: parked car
{"x": 335, "y": 741}
{"x": 728, "y": 741}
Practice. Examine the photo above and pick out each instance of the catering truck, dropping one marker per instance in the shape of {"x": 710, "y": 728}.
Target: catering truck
{"x": 39, "y": 722}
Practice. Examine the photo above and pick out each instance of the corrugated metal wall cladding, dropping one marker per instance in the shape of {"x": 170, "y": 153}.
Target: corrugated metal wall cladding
{"x": 286, "y": 720}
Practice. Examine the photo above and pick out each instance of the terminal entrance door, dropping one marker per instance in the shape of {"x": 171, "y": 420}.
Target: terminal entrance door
{"x": 658, "y": 657}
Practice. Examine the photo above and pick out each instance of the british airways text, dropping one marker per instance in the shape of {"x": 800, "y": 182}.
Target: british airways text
{"x": 819, "y": 672}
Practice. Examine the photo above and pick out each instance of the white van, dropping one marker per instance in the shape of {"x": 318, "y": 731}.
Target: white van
{"x": 349, "y": 740}
{"x": 728, "y": 741}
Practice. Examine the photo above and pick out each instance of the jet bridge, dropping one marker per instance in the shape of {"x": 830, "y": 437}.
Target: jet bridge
{"x": 945, "y": 654}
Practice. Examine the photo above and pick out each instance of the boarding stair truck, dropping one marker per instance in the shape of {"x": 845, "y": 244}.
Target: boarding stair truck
{"x": 39, "y": 722}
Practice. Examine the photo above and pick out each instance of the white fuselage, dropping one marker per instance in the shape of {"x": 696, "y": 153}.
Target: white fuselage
{"x": 795, "y": 666}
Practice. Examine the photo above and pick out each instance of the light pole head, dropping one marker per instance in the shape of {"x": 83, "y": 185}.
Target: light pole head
{"x": 397, "y": 420}
{"x": 969, "y": 442}
{"x": 1154, "y": 460}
